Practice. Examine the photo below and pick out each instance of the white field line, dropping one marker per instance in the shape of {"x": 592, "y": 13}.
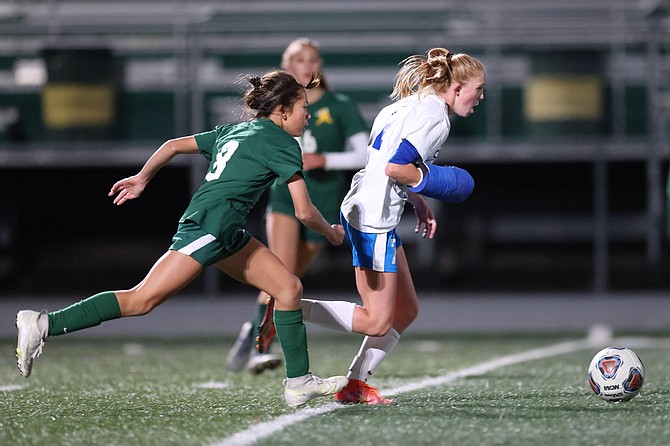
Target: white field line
{"x": 260, "y": 431}
{"x": 212, "y": 385}
{"x": 12, "y": 387}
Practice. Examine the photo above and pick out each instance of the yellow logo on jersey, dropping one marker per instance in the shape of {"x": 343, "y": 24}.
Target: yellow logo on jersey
{"x": 323, "y": 116}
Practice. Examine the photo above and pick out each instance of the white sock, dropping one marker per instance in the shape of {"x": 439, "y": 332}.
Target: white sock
{"x": 338, "y": 315}
{"x": 373, "y": 351}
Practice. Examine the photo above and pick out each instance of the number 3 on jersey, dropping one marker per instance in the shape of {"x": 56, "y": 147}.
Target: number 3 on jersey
{"x": 222, "y": 158}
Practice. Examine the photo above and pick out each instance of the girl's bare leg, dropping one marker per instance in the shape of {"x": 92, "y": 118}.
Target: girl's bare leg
{"x": 378, "y": 292}
{"x": 407, "y": 302}
{"x": 172, "y": 272}
{"x": 283, "y": 233}
{"x": 257, "y": 266}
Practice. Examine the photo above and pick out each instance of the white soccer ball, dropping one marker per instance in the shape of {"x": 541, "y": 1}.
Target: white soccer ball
{"x": 616, "y": 374}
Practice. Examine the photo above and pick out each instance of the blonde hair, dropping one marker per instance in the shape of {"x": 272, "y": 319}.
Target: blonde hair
{"x": 435, "y": 71}
{"x": 295, "y": 47}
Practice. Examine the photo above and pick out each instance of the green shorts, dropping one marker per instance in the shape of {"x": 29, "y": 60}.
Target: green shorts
{"x": 204, "y": 248}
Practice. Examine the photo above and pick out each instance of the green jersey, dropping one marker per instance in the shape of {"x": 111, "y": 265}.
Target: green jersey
{"x": 244, "y": 160}
{"x": 333, "y": 119}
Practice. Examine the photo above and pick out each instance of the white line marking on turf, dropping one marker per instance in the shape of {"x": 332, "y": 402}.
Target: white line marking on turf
{"x": 488, "y": 366}
{"x": 259, "y": 431}
{"x": 11, "y": 388}
{"x": 133, "y": 349}
{"x": 212, "y": 385}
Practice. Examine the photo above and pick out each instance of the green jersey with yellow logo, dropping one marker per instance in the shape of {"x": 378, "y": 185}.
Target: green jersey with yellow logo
{"x": 333, "y": 119}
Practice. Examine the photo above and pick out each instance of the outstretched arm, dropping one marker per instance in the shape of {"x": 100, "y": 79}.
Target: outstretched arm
{"x": 132, "y": 187}
{"x": 309, "y": 215}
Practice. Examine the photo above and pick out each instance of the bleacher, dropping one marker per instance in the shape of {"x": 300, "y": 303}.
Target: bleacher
{"x": 591, "y": 180}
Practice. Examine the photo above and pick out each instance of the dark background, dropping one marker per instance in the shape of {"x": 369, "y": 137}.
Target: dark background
{"x": 561, "y": 204}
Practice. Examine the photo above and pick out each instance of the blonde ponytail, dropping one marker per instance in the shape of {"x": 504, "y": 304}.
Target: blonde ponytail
{"x": 436, "y": 71}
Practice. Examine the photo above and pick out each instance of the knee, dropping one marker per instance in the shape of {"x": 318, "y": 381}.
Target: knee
{"x": 291, "y": 293}
{"x": 295, "y": 289}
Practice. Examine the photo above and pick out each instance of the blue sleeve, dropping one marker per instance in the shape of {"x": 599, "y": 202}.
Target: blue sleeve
{"x": 406, "y": 153}
{"x": 445, "y": 183}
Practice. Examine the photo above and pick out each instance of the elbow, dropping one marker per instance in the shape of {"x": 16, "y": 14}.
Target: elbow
{"x": 304, "y": 216}
{"x": 465, "y": 186}
{"x": 300, "y": 217}
{"x": 392, "y": 170}
{"x": 171, "y": 147}
{"x": 172, "y": 144}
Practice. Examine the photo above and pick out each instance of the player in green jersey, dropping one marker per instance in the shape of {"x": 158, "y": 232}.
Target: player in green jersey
{"x": 333, "y": 145}
{"x": 245, "y": 160}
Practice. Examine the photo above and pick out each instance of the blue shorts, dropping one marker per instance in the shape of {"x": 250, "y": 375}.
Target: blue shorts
{"x": 372, "y": 251}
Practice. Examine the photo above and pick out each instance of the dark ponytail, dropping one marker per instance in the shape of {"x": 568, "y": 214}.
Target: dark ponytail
{"x": 272, "y": 89}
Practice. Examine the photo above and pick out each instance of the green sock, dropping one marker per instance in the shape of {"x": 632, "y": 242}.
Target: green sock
{"x": 85, "y": 313}
{"x": 256, "y": 322}
{"x": 292, "y": 336}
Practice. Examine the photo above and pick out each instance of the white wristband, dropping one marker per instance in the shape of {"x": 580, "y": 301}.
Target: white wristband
{"x": 420, "y": 178}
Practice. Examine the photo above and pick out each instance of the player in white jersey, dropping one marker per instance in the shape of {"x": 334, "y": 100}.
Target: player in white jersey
{"x": 405, "y": 140}
{"x": 423, "y": 121}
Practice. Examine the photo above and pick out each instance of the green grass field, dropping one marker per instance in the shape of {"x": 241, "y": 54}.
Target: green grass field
{"x": 87, "y": 391}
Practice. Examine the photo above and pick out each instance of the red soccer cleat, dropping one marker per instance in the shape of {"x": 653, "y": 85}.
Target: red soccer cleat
{"x": 266, "y": 330}
{"x": 359, "y": 392}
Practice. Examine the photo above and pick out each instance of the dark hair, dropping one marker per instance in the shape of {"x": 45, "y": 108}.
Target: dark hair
{"x": 275, "y": 88}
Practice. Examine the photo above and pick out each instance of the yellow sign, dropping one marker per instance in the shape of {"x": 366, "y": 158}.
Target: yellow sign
{"x": 76, "y": 105}
{"x": 563, "y": 97}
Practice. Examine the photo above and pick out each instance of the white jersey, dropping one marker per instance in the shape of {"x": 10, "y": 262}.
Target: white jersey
{"x": 375, "y": 202}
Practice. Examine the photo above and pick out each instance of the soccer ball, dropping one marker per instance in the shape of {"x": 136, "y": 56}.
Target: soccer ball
{"x": 616, "y": 374}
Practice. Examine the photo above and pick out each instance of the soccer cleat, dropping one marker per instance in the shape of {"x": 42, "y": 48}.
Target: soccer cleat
{"x": 33, "y": 329}
{"x": 263, "y": 361}
{"x": 266, "y": 330}
{"x": 359, "y": 392}
{"x": 238, "y": 355}
{"x": 300, "y": 391}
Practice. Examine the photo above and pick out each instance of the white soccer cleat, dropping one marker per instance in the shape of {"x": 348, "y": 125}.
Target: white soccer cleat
{"x": 33, "y": 328}
{"x": 263, "y": 361}
{"x": 300, "y": 391}
{"x": 239, "y": 353}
